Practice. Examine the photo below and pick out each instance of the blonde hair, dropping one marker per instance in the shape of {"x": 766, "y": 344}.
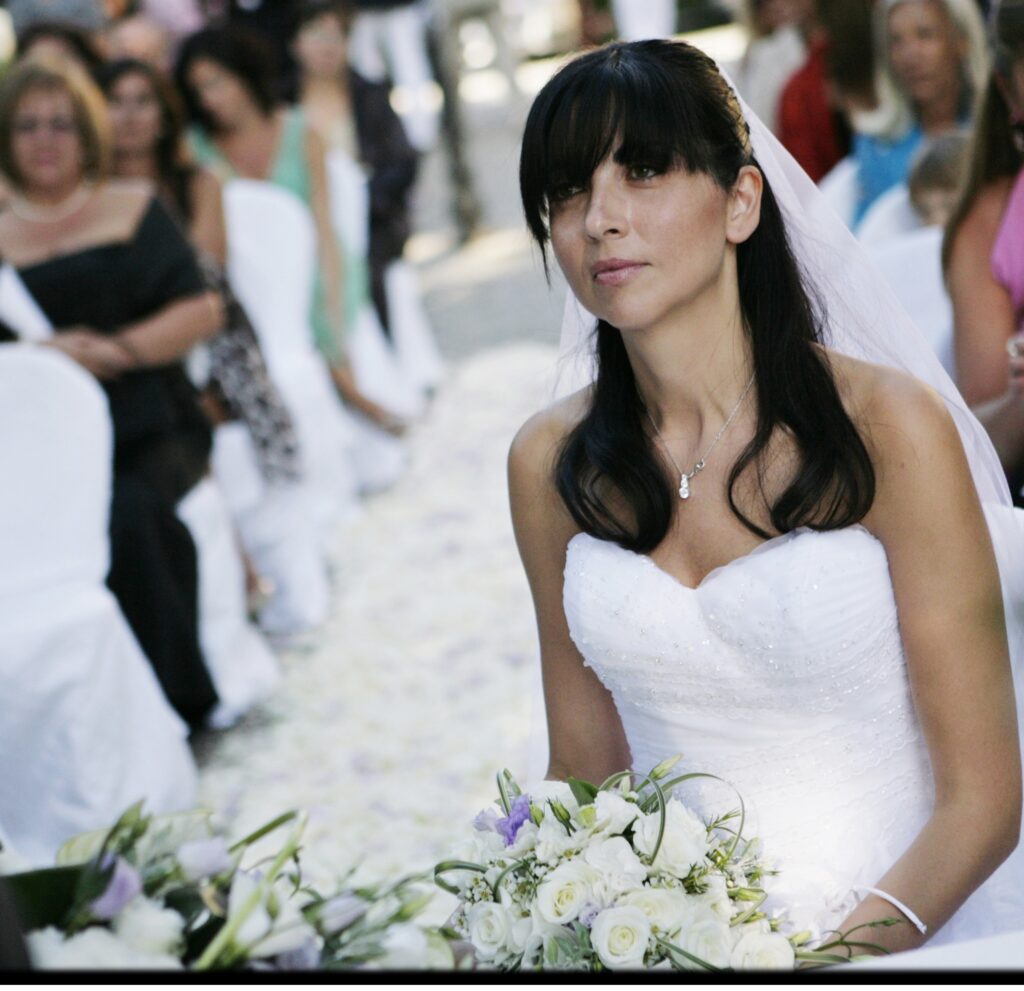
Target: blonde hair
{"x": 894, "y": 115}
{"x": 88, "y": 106}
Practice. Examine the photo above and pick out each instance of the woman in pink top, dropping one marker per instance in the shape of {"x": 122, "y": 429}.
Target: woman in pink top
{"x": 983, "y": 253}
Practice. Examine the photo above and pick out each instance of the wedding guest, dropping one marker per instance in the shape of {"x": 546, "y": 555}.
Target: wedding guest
{"x": 138, "y": 305}
{"x": 776, "y": 50}
{"x": 355, "y": 116}
{"x": 241, "y": 130}
{"x": 148, "y": 128}
{"x": 932, "y": 62}
{"x": 812, "y": 125}
{"x": 982, "y": 252}
{"x": 389, "y": 44}
{"x": 139, "y": 36}
{"x": 63, "y": 42}
{"x": 936, "y": 177}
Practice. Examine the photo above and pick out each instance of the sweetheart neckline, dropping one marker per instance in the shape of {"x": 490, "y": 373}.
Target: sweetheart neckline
{"x": 765, "y": 546}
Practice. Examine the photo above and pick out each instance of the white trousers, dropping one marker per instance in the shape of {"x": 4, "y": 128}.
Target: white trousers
{"x": 393, "y": 42}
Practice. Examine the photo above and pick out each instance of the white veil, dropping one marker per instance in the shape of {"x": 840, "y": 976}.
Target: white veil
{"x": 864, "y": 320}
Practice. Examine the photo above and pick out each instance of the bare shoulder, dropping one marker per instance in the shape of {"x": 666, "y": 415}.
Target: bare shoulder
{"x": 538, "y": 440}
{"x": 890, "y": 406}
{"x": 913, "y": 442}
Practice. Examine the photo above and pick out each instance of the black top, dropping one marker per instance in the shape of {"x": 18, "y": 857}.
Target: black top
{"x": 109, "y": 286}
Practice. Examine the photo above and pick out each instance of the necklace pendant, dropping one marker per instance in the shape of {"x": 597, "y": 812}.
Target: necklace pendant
{"x": 684, "y": 487}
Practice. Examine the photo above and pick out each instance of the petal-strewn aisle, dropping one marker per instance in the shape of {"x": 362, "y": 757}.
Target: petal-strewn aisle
{"x": 389, "y": 731}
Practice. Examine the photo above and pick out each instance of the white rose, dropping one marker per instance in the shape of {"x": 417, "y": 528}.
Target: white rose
{"x": 762, "y": 951}
{"x": 92, "y": 948}
{"x": 559, "y": 791}
{"x": 562, "y": 894}
{"x": 620, "y": 868}
{"x": 489, "y": 928}
{"x": 519, "y": 933}
{"x": 614, "y": 813}
{"x": 709, "y": 939}
{"x": 146, "y": 926}
{"x": 716, "y": 897}
{"x": 620, "y": 936}
{"x": 541, "y": 934}
{"x": 684, "y": 843}
{"x": 666, "y": 910}
{"x": 553, "y": 841}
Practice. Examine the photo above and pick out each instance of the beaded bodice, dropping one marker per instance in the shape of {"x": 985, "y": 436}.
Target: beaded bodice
{"x": 783, "y": 673}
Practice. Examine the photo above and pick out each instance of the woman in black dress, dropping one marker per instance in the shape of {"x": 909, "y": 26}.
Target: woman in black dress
{"x": 120, "y": 285}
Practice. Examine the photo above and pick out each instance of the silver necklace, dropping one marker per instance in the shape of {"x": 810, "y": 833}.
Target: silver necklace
{"x": 685, "y": 477}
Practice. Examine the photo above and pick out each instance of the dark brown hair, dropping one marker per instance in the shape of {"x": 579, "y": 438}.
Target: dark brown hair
{"x": 664, "y": 105}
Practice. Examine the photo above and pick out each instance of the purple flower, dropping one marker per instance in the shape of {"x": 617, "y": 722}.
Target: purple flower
{"x": 123, "y": 886}
{"x": 510, "y": 825}
{"x": 588, "y": 913}
{"x": 486, "y": 821}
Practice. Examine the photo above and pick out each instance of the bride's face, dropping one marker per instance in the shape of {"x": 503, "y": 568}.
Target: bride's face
{"x": 637, "y": 246}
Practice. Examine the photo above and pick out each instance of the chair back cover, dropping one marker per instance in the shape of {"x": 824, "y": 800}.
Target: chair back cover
{"x": 56, "y": 445}
{"x": 891, "y": 215}
{"x": 912, "y": 263}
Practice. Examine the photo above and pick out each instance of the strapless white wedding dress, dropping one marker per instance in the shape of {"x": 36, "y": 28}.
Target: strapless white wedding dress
{"x": 783, "y": 673}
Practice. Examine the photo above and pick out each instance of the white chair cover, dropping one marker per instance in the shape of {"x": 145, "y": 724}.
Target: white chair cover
{"x": 889, "y": 216}
{"x": 278, "y": 533}
{"x": 85, "y": 729}
{"x": 241, "y": 664}
{"x": 840, "y": 189}
{"x": 411, "y": 333}
{"x": 376, "y": 365}
{"x": 912, "y": 264}
{"x": 272, "y": 265}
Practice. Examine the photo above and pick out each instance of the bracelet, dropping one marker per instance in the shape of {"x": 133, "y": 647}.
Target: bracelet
{"x": 918, "y": 924}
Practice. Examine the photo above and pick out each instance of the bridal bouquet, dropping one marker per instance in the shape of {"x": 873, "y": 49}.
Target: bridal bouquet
{"x": 169, "y": 892}
{"x": 575, "y": 876}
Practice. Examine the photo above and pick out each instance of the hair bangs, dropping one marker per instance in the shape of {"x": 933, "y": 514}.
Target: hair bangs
{"x": 618, "y": 101}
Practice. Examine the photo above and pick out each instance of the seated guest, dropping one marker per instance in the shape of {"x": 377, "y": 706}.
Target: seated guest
{"x": 354, "y": 115}
{"x": 240, "y": 130}
{"x": 147, "y": 141}
{"x": 813, "y": 122}
{"x": 932, "y": 62}
{"x": 119, "y": 284}
{"x": 936, "y": 177}
{"x": 60, "y": 43}
{"x": 983, "y": 252}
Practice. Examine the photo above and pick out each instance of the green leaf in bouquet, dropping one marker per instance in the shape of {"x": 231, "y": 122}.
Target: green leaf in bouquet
{"x": 661, "y": 770}
{"x": 561, "y": 813}
{"x": 44, "y": 897}
{"x": 508, "y": 870}
{"x": 264, "y": 830}
{"x": 583, "y": 791}
{"x": 756, "y": 899}
{"x": 503, "y": 794}
{"x": 673, "y": 952}
{"x": 117, "y": 838}
{"x": 454, "y": 865}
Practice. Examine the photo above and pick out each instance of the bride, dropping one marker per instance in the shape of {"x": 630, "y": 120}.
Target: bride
{"x": 755, "y": 539}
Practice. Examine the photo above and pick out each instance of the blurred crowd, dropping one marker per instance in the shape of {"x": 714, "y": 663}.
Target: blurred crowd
{"x": 910, "y": 116}
{"x": 204, "y": 210}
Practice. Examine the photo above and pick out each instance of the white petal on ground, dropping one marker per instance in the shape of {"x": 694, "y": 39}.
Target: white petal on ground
{"x": 391, "y": 730}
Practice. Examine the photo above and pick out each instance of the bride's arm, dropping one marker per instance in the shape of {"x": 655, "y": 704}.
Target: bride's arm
{"x": 949, "y": 603}
{"x": 585, "y": 733}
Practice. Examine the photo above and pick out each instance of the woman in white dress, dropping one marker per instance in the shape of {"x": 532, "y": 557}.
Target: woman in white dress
{"x": 751, "y": 547}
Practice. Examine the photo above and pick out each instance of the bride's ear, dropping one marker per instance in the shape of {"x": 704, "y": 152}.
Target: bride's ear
{"x": 744, "y": 207}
